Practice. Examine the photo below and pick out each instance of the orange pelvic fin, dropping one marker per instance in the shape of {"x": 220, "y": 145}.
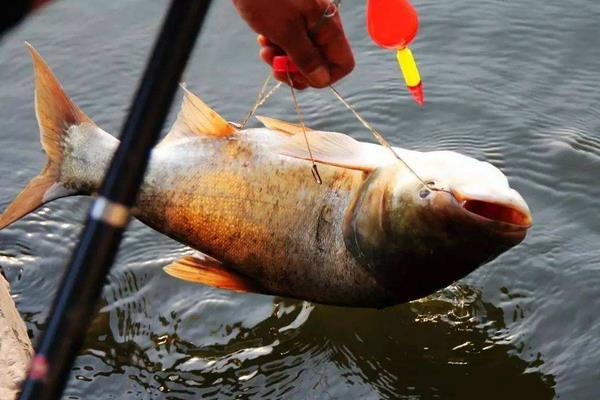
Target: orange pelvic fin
{"x": 211, "y": 272}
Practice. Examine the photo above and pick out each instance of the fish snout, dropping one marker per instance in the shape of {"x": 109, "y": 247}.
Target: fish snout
{"x": 505, "y": 209}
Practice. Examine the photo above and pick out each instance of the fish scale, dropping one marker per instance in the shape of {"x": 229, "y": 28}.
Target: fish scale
{"x": 373, "y": 234}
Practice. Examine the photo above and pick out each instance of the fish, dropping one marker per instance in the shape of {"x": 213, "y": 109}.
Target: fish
{"x": 379, "y": 230}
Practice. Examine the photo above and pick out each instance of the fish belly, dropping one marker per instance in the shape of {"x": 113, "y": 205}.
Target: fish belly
{"x": 260, "y": 214}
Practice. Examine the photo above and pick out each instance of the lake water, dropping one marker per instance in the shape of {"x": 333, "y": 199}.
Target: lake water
{"x": 514, "y": 83}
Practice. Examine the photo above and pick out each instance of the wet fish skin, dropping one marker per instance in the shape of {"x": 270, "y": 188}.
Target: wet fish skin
{"x": 413, "y": 240}
{"x": 289, "y": 234}
{"x": 260, "y": 214}
{"x": 372, "y": 235}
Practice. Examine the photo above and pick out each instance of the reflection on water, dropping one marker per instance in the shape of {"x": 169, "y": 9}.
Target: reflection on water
{"x": 430, "y": 347}
{"x": 513, "y": 83}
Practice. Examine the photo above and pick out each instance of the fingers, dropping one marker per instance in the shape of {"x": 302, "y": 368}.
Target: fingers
{"x": 303, "y": 52}
{"x": 263, "y": 41}
{"x": 298, "y": 81}
{"x": 334, "y": 47}
{"x": 323, "y": 57}
{"x": 268, "y": 52}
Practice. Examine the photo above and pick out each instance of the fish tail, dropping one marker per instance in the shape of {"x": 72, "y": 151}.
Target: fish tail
{"x": 56, "y": 114}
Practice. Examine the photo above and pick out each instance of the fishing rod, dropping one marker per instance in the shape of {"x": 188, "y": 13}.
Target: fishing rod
{"x": 109, "y": 215}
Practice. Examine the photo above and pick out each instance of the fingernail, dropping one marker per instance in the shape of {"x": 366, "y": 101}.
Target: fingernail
{"x": 319, "y": 77}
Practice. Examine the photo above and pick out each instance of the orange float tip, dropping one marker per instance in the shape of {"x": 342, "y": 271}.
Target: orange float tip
{"x": 417, "y": 93}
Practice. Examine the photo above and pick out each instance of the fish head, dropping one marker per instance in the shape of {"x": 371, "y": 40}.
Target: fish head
{"x": 419, "y": 228}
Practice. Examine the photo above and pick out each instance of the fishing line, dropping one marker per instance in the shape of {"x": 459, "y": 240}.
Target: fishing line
{"x": 378, "y": 136}
{"x": 273, "y": 89}
{"x": 313, "y": 170}
{"x": 260, "y": 99}
{"x": 330, "y": 12}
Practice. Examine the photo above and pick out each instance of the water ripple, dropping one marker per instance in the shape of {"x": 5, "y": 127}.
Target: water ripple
{"x": 512, "y": 83}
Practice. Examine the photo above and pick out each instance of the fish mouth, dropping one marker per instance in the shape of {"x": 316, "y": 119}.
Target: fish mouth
{"x": 508, "y": 209}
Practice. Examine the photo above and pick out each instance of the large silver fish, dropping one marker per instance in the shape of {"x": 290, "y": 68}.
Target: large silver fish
{"x": 372, "y": 235}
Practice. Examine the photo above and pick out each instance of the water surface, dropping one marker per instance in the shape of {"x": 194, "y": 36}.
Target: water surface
{"x": 514, "y": 83}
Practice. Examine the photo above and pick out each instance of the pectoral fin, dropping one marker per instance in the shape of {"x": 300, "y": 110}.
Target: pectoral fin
{"x": 336, "y": 149}
{"x": 331, "y": 148}
{"x": 211, "y": 272}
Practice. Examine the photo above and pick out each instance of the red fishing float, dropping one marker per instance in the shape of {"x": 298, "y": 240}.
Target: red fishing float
{"x": 393, "y": 24}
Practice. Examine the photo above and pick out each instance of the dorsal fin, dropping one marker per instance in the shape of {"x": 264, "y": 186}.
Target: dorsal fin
{"x": 281, "y": 126}
{"x": 336, "y": 149}
{"x": 196, "y": 118}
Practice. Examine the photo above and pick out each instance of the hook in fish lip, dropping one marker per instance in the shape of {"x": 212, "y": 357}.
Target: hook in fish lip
{"x": 510, "y": 211}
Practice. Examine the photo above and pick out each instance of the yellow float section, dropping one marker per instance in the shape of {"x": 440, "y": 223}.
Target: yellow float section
{"x": 408, "y": 66}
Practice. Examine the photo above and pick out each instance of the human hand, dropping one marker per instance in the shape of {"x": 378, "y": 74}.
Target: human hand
{"x": 322, "y": 57}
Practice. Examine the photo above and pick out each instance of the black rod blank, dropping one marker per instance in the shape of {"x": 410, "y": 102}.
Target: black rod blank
{"x": 82, "y": 284}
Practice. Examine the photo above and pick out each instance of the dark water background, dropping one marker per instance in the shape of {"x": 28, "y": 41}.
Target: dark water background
{"x": 514, "y": 83}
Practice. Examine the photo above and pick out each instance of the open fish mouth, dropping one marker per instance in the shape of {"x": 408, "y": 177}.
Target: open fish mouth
{"x": 508, "y": 209}
{"x": 497, "y": 212}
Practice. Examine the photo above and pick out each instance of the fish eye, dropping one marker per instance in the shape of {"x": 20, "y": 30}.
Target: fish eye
{"x": 424, "y": 193}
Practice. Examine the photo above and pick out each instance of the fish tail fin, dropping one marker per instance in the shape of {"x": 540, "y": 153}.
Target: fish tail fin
{"x": 55, "y": 113}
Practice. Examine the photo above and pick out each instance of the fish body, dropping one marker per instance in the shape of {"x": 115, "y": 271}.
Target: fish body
{"x": 373, "y": 234}
{"x": 259, "y": 213}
